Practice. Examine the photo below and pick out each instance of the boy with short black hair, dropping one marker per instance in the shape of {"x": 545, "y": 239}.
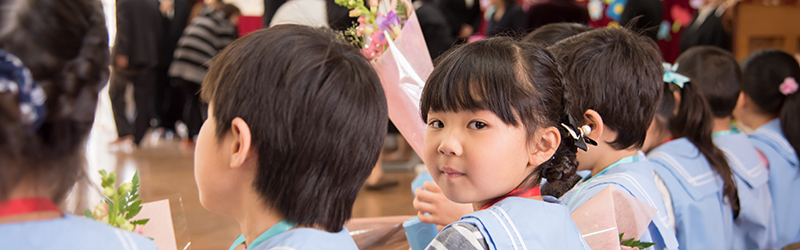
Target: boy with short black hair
{"x": 614, "y": 80}
{"x": 296, "y": 123}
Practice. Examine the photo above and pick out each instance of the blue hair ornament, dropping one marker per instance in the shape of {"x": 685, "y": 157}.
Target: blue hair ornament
{"x": 16, "y": 79}
{"x": 672, "y": 77}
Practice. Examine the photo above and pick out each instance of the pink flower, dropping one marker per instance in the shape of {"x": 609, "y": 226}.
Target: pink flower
{"x": 138, "y": 230}
{"x": 789, "y": 86}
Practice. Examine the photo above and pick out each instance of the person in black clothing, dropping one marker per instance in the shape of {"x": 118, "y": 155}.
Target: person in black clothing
{"x": 435, "y": 29}
{"x": 338, "y": 16}
{"x": 169, "y": 98}
{"x": 643, "y": 16}
{"x": 135, "y": 56}
{"x": 706, "y": 29}
{"x": 555, "y": 11}
{"x": 463, "y": 16}
{"x": 506, "y": 20}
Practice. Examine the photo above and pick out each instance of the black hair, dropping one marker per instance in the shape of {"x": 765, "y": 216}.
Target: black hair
{"x": 616, "y": 73}
{"x": 716, "y": 72}
{"x": 230, "y": 10}
{"x": 519, "y": 82}
{"x": 553, "y": 33}
{"x": 65, "y": 46}
{"x": 695, "y": 121}
{"x": 764, "y": 71}
{"x": 317, "y": 114}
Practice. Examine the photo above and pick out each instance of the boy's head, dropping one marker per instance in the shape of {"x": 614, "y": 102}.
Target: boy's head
{"x": 553, "y": 33}
{"x": 300, "y": 112}
{"x": 617, "y": 74}
{"x": 716, "y": 72}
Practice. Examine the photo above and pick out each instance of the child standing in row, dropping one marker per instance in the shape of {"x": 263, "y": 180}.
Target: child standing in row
{"x": 497, "y": 120}
{"x": 614, "y": 79}
{"x": 769, "y": 103}
{"x": 717, "y": 74}
{"x": 696, "y": 173}
{"x": 296, "y": 122}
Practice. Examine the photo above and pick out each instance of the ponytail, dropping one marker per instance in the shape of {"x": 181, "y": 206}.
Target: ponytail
{"x": 770, "y": 80}
{"x": 695, "y": 122}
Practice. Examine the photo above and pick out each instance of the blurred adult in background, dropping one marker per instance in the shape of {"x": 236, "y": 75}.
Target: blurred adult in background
{"x": 208, "y": 34}
{"x": 463, "y": 16}
{"x": 506, "y": 19}
{"x": 435, "y": 29}
{"x": 134, "y": 59}
{"x": 643, "y": 16}
{"x": 169, "y": 97}
{"x": 555, "y": 11}
{"x": 307, "y": 12}
{"x": 707, "y": 27}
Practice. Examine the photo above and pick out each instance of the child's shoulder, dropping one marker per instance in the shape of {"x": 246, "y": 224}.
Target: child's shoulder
{"x": 71, "y": 232}
{"x": 770, "y": 140}
{"x": 299, "y": 239}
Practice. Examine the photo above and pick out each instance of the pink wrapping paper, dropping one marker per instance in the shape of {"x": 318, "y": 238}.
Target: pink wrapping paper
{"x": 403, "y": 69}
{"x": 609, "y": 213}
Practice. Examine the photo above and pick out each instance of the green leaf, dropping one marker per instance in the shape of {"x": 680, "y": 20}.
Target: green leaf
{"x": 635, "y": 243}
{"x": 620, "y": 237}
{"x": 88, "y": 213}
{"x": 140, "y": 222}
{"x": 402, "y": 10}
{"x": 134, "y": 209}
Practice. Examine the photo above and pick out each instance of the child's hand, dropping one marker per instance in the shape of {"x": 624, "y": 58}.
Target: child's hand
{"x": 441, "y": 211}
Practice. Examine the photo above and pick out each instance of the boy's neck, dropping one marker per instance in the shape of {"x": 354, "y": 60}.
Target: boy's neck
{"x": 256, "y": 218}
{"x": 611, "y": 156}
{"x": 722, "y": 124}
{"x": 756, "y": 120}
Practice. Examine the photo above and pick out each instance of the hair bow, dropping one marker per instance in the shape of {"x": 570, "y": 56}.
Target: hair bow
{"x": 16, "y": 79}
{"x": 671, "y": 76}
{"x": 788, "y": 86}
{"x": 579, "y": 135}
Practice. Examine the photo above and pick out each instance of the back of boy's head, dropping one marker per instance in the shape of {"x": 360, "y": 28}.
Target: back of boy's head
{"x": 766, "y": 72}
{"x": 317, "y": 115}
{"x": 553, "y": 33}
{"x": 616, "y": 73}
{"x": 64, "y": 44}
{"x": 519, "y": 82}
{"x": 716, "y": 72}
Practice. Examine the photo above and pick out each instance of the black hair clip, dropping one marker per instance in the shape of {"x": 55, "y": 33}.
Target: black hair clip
{"x": 580, "y": 136}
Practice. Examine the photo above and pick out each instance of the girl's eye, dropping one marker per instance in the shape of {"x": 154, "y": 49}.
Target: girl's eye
{"x": 436, "y": 124}
{"x": 477, "y": 125}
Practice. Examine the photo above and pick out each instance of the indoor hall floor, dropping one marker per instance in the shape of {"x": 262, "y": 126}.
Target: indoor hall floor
{"x": 166, "y": 171}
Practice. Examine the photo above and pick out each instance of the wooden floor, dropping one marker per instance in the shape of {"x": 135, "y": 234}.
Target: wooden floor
{"x": 166, "y": 170}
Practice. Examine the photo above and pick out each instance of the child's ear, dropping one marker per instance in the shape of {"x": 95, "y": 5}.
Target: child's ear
{"x": 545, "y": 147}
{"x": 241, "y": 145}
{"x": 595, "y": 122}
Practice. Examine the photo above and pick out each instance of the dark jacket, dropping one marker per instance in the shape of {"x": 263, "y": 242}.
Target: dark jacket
{"x": 555, "y": 11}
{"x": 511, "y": 24}
{"x": 139, "y": 31}
{"x": 456, "y": 13}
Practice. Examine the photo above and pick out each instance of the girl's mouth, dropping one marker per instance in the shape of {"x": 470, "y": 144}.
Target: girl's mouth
{"x": 452, "y": 173}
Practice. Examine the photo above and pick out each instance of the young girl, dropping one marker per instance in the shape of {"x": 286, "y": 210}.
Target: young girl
{"x": 695, "y": 172}
{"x": 716, "y": 72}
{"x": 497, "y": 124}
{"x": 769, "y": 103}
{"x": 53, "y": 61}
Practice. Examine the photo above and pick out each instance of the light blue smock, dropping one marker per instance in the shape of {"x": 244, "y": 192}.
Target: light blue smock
{"x": 69, "y": 232}
{"x": 638, "y": 180}
{"x": 702, "y": 219}
{"x": 754, "y": 228}
{"x": 309, "y": 239}
{"x": 523, "y": 223}
{"x": 784, "y": 179}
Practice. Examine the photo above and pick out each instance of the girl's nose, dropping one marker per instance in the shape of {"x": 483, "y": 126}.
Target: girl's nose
{"x": 451, "y": 145}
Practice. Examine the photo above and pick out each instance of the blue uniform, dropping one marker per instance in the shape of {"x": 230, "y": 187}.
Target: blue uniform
{"x": 69, "y": 232}
{"x": 523, "y": 223}
{"x": 637, "y": 179}
{"x": 754, "y": 228}
{"x": 784, "y": 179}
{"x": 702, "y": 219}
{"x": 309, "y": 239}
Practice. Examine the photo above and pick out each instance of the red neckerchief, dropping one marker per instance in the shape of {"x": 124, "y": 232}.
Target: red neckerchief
{"x": 26, "y": 206}
{"x": 669, "y": 140}
{"x": 530, "y": 192}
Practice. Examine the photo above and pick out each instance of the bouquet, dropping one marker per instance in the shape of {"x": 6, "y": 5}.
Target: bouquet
{"x": 121, "y": 204}
{"x": 394, "y": 43}
{"x": 607, "y": 217}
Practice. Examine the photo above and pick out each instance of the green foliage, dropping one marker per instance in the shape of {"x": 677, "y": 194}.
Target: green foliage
{"x": 635, "y": 243}
{"x": 123, "y": 202}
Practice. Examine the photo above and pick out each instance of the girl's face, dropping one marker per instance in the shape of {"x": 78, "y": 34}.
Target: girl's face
{"x": 475, "y": 157}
